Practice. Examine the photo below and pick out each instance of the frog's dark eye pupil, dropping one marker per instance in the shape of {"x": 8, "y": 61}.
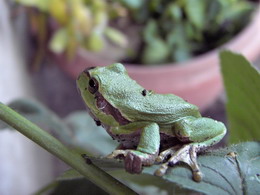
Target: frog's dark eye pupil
{"x": 93, "y": 85}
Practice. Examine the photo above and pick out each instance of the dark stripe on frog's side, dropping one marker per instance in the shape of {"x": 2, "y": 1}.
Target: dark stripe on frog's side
{"x": 131, "y": 141}
{"x": 104, "y": 106}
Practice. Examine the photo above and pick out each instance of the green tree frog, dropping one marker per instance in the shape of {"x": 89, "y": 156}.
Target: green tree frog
{"x": 151, "y": 128}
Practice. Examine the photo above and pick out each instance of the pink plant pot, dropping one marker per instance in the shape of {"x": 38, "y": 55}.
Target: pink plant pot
{"x": 197, "y": 80}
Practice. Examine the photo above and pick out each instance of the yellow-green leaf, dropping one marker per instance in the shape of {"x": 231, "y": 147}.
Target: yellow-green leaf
{"x": 116, "y": 37}
{"x": 59, "y": 41}
{"x": 42, "y": 5}
{"x": 95, "y": 42}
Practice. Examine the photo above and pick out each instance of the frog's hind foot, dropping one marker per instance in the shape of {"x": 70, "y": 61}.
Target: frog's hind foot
{"x": 186, "y": 154}
{"x": 166, "y": 154}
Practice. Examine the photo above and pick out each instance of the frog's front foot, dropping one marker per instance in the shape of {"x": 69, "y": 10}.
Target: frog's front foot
{"x": 134, "y": 160}
{"x": 186, "y": 154}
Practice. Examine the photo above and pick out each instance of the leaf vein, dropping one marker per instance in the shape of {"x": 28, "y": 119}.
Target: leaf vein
{"x": 241, "y": 177}
{"x": 223, "y": 178}
{"x": 197, "y": 190}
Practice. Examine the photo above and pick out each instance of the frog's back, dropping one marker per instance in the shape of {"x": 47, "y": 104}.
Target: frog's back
{"x": 160, "y": 108}
{"x": 137, "y": 104}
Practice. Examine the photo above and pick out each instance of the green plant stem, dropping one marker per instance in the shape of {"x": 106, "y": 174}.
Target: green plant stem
{"x": 51, "y": 144}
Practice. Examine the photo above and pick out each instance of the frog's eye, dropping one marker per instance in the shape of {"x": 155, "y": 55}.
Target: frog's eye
{"x": 92, "y": 85}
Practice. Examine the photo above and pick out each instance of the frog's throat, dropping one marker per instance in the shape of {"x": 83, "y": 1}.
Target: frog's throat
{"x": 103, "y": 105}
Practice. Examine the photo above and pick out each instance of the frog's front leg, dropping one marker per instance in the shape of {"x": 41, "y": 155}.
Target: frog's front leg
{"x": 146, "y": 151}
{"x": 197, "y": 133}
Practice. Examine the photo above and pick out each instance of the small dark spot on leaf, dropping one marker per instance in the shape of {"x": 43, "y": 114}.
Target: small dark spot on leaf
{"x": 87, "y": 159}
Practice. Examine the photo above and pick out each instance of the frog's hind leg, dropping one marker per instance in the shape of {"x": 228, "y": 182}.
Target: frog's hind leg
{"x": 197, "y": 133}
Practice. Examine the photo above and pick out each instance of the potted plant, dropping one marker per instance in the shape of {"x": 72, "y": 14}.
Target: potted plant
{"x": 181, "y": 37}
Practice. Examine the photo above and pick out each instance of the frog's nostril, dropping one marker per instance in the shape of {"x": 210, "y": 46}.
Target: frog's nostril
{"x": 89, "y": 68}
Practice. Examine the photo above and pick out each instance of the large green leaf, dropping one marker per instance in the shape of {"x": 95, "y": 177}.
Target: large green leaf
{"x": 242, "y": 84}
{"x": 232, "y": 171}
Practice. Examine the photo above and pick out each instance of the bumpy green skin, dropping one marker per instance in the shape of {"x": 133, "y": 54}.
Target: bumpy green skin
{"x": 150, "y": 113}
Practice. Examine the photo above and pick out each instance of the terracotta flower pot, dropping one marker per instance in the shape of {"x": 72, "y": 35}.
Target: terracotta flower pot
{"x": 198, "y": 80}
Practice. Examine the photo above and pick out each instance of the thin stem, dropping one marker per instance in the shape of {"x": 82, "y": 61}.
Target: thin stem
{"x": 51, "y": 144}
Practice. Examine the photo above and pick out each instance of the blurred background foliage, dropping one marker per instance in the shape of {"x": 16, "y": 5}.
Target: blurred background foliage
{"x": 148, "y": 31}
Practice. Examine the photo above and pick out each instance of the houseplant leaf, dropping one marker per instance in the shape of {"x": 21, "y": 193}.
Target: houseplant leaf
{"x": 242, "y": 83}
{"x": 40, "y": 4}
{"x": 196, "y": 12}
{"x": 233, "y": 170}
{"x": 59, "y": 41}
{"x": 116, "y": 37}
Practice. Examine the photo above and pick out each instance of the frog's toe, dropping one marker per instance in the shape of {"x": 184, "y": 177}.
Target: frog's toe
{"x": 133, "y": 163}
{"x": 117, "y": 153}
{"x": 162, "y": 170}
{"x": 163, "y": 156}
